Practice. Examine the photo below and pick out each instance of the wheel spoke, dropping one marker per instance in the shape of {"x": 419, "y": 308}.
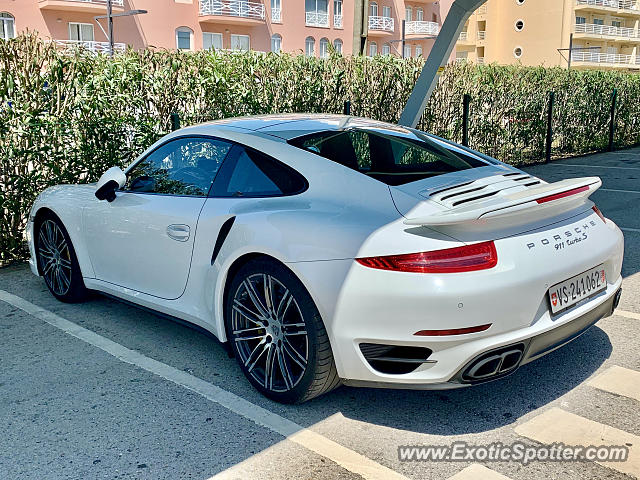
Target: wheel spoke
{"x": 65, "y": 263}
{"x": 46, "y": 269}
{"x": 301, "y": 329}
{"x": 284, "y": 369}
{"x": 245, "y": 330}
{"x": 251, "y": 361}
{"x": 246, "y": 313}
{"x": 253, "y": 295}
{"x": 283, "y": 306}
{"x": 267, "y": 280}
{"x": 66, "y": 282}
{"x": 44, "y": 242}
{"x": 294, "y": 354}
{"x": 254, "y": 337}
{"x": 268, "y": 367}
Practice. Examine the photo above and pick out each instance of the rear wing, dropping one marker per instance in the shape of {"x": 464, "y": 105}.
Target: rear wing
{"x": 553, "y": 198}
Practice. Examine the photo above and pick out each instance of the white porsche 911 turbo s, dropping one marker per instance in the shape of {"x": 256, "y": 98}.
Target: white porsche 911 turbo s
{"x": 326, "y": 249}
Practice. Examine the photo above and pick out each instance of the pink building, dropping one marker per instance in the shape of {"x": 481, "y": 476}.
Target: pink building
{"x": 310, "y": 26}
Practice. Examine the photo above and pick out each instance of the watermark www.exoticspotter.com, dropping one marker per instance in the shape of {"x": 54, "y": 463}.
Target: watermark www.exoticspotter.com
{"x": 515, "y": 452}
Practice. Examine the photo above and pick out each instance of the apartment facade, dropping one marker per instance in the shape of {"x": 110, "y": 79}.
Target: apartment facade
{"x": 581, "y": 33}
{"x": 309, "y": 26}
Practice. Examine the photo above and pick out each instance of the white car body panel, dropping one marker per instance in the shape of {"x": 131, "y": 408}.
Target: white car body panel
{"x": 123, "y": 250}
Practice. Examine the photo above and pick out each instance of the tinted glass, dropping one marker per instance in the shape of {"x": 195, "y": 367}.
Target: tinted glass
{"x": 185, "y": 166}
{"x": 393, "y": 156}
{"x": 253, "y": 174}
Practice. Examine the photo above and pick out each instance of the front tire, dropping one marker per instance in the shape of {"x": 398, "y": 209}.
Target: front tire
{"x": 57, "y": 261}
{"x": 277, "y": 335}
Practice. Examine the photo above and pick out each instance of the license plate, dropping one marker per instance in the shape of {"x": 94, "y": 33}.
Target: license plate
{"x": 566, "y": 294}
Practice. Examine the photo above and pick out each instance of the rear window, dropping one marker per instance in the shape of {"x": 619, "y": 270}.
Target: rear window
{"x": 394, "y": 157}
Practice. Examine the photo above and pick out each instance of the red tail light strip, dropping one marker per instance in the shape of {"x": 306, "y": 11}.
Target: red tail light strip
{"x": 557, "y": 196}
{"x": 452, "y": 331}
{"x": 468, "y": 258}
{"x": 599, "y": 213}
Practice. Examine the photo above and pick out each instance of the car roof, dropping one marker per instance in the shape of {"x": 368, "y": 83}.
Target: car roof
{"x": 293, "y": 125}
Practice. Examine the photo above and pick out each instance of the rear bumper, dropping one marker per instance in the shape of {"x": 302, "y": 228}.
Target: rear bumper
{"x": 533, "y": 348}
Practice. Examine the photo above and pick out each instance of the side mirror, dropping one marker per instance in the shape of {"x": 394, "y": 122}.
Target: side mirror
{"x": 109, "y": 182}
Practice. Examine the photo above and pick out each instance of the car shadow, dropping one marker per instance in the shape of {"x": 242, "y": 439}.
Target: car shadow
{"x": 474, "y": 409}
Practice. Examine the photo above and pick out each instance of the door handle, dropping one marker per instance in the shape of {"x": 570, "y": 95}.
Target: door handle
{"x": 179, "y": 232}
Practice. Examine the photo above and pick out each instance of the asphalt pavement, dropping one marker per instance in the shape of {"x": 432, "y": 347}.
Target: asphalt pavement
{"x": 105, "y": 390}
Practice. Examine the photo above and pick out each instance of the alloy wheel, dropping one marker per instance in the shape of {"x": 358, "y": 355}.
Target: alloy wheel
{"x": 269, "y": 332}
{"x": 54, "y": 257}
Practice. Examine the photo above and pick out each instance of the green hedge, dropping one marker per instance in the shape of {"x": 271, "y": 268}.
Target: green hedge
{"x": 65, "y": 119}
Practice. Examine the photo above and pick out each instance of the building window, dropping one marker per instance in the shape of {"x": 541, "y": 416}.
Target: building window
{"x": 408, "y": 14}
{"x": 407, "y": 51}
{"x": 324, "y": 48}
{"x": 386, "y": 49}
{"x": 184, "y": 36}
{"x": 519, "y": 25}
{"x": 419, "y": 14}
{"x": 337, "y": 44}
{"x": 517, "y": 52}
{"x": 7, "y": 26}
{"x": 520, "y": 2}
{"x": 337, "y": 13}
{"x": 386, "y": 12}
{"x": 616, "y": 23}
{"x": 212, "y": 40}
{"x": 373, "y": 9}
{"x": 276, "y": 10}
{"x": 373, "y": 49}
{"x": 317, "y": 13}
{"x": 418, "y": 50}
{"x": 310, "y": 47}
{"x": 598, "y": 21}
{"x": 240, "y": 42}
{"x": 276, "y": 43}
{"x": 581, "y": 20}
{"x": 81, "y": 32}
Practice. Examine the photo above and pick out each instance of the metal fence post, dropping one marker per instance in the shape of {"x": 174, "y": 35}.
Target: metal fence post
{"x": 552, "y": 97}
{"x": 175, "y": 121}
{"x": 612, "y": 120}
{"x": 466, "y": 100}
{"x": 347, "y": 107}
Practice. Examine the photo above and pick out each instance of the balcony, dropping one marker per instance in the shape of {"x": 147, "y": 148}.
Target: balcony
{"x": 317, "y": 19}
{"x": 276, "y": 15}
{"x": 422, "y": 28}
{"x": 238, "y": 12}
{"x": 380, "y": 25}
{"x": 337, "y": 21}
{"x": 584, "y": 30}
{"x": 84, "y": 6}
{"x": 482, "y": 35}
{"x": 613, "y": 60}
{"x": 72, "y": 46}
{"x": 619, "y": 7}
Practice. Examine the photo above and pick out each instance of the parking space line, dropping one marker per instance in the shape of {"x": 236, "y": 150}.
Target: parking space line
{"x": 346, "y": 458}
{"x": 592, "y": 166}
{"x": 623, "y": 313}
{"x": 475, "y": 471}
{"x": 617, "y": 190}
{"x": 559, "y": 426}
{"x": 618, "y": 380}
{"x": 625, "y": 229}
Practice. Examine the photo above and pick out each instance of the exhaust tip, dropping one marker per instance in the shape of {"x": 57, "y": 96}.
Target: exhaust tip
{"x": 493, "y": 364}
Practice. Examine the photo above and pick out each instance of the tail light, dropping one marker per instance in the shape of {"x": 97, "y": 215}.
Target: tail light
{"x": 599, "y": 213}
{"x": 469, "y": 258}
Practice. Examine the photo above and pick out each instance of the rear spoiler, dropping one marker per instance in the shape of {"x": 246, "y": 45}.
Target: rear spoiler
{"x": 552, "y": 197}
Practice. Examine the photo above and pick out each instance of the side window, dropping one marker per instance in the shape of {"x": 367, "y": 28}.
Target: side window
{"x": 186, "y": 166}
{"x": 252, "y": 174}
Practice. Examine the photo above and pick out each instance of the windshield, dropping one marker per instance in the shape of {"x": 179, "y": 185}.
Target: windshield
{"x": 393, "y": 156}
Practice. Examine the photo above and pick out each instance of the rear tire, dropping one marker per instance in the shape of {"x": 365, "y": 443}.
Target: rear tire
{"x": 57, "y": 261}
{"x": 277, "y": 335}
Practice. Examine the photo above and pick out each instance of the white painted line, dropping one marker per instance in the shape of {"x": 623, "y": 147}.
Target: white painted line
{"x": 636, "y": 230}
{"x": 618, "y": 380}
{"x": 617, "y": 191}
{"x": 559, "y": 426}
{"x": 624, "y": 313}
{"x": 476, "y": 471}
{"x": 591, "y": 166}
{"x": 346, "y": 458}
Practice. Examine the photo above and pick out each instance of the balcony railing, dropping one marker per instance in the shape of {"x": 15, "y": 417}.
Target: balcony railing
{"x": 606, "y": 30}
{"x": 233, "y": 8}
{"x": 276, "y": 14}
{"x": 381, "y": 23}
{"x": 91, "y": 46}
{"x": 428, "y": 28}
{"x": 480, "y": 61}
{"x": 594, "y": 57}
{"x": 317, "y": 19}
{"x": 337, "y": 21}
{"x": 617, "y": 4}
{"x": 463, "y": 36}
{"x": 482, "y": 35}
